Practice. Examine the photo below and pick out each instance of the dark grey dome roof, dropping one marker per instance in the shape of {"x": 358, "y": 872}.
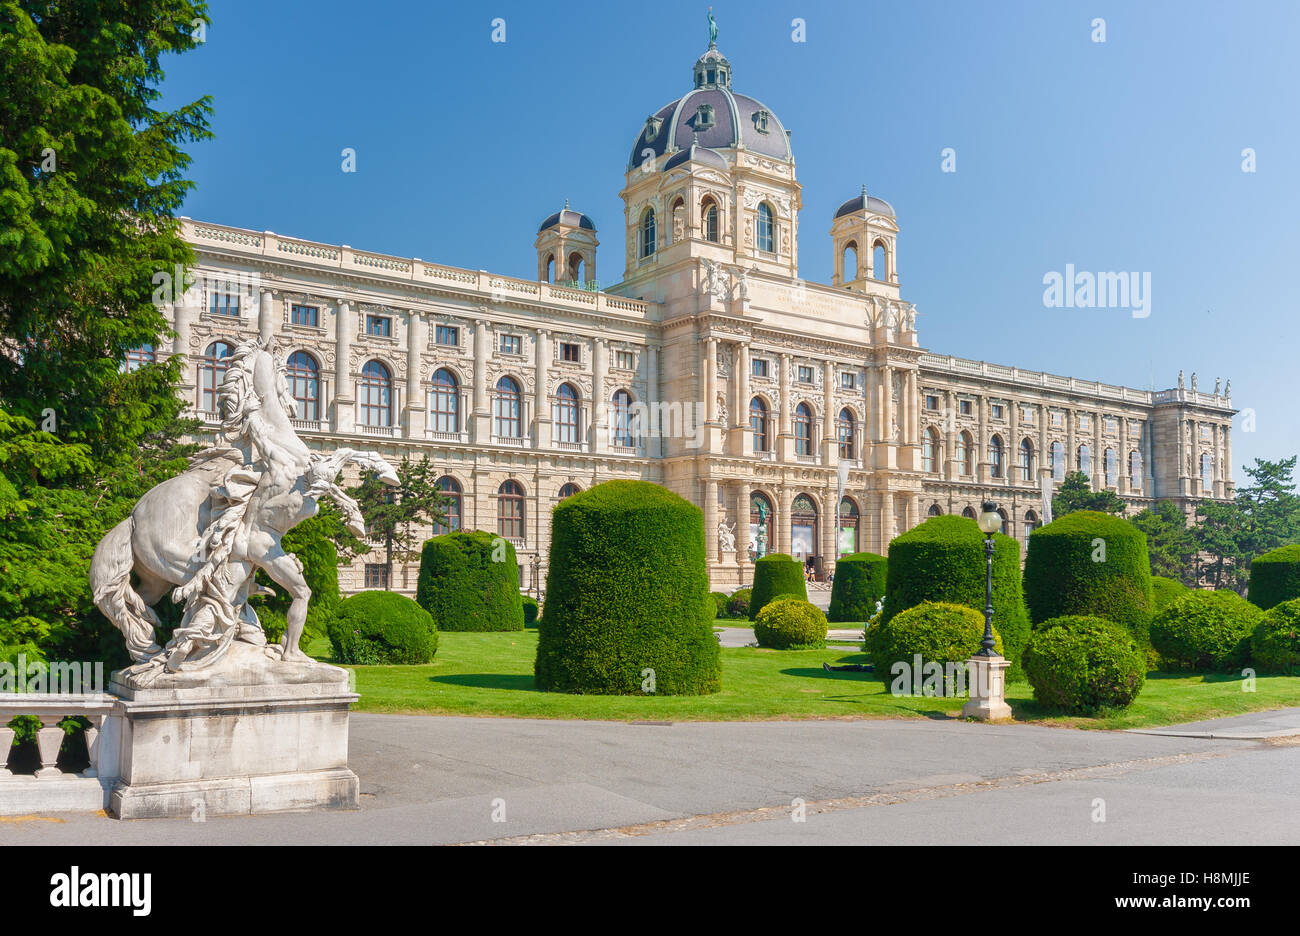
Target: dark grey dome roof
{"x": 570, "y": 217}
{"x": 699, "y": 154}
{"x": 873, "y": 204}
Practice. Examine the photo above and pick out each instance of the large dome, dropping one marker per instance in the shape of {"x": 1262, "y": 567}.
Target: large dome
{"x": 727, "y": 119}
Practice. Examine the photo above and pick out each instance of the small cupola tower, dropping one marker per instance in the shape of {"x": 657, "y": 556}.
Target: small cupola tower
{"x": 864, "y": 233}
{"x": 566, "y": 249}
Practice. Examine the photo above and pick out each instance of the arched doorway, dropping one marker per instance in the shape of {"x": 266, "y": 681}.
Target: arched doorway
{"x": 849, "y": 515}
{"x": 803, "y": 528}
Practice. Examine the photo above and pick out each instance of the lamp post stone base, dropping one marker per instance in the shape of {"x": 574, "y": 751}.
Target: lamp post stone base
{"x": 988, "y": 680}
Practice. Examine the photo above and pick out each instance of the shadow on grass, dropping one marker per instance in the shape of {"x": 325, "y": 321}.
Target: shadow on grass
{"x": 515, "y": 682}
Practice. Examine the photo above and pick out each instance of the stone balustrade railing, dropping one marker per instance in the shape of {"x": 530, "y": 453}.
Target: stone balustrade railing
{"x": 52, "y": 789}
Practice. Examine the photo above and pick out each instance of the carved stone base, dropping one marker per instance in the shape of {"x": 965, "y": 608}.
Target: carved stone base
{"x": 987, "y": 681}
{"x": 230, "y": 748}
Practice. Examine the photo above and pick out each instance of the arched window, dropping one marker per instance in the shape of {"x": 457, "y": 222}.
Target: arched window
{"x": 376, "y": 395}
{"x": 1026, "y": 460}
{"x": 963, "y": 453}
{"x": 569, "y": 490}
{"x": 803, "y": 527}
{"x": 510, "y": 510}
{"x": 444, "y": 401}
{"x": 1112, "y": 467}
{"x": 1031, "y": 524}
{"x": 1135, "y": 469}
{"x": 844, "y": 433}
{"x": 969, "y": 513}
{"x": 303, "y": 374}
{"x": 764, "y": 230}
{"x": 1083, "y": 462}
{"x": 1207, "y": 471}
{"x": 212, "y": 370}
{"x": 849, "y": 515}
{"x": 758, "y": 423}
{"x": 1003, "y": 529}
{"x": 450, "y": 490}
{"x": 803, "y": 430}
{"x": 508, "y": 421}
{"x": 648, "y": 241}
{"x": 709, "y": 218}
{"x": 565, "y": 420}
{"x": 624, "y": 425}
{"x": 935, "y": 511}
{"x": 930, "y": 451}
{"x": 137, "y": 358}
{"x": 1058, "y": 461}
{"x": 850, "y": 264}
{"x": 760, "y": 525}
{"x": 996, "y": 467}
{"x": 550, "y": 268}
{"x": 879, "y": 262}
{"x": 576, "y": 268}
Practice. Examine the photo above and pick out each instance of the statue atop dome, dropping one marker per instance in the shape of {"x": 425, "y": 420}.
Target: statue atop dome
{"x": 713, "y": 30}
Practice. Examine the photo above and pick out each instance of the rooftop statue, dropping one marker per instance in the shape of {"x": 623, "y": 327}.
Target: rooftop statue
{"x": 206, "y": 532}
{"x": 713, "y": 29}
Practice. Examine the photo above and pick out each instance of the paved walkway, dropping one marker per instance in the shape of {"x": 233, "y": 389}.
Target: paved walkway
{"x": 428, "y": 780}
{"x": 1255, "y": 726}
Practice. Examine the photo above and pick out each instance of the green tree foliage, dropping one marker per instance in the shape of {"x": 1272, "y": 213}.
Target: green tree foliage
{"x": 470, "y": 582}
{"x": 1264, "y": 515}
{"x": 1171, "y": 542}
{"x": 397, "y": 516}
{"x": 1076, "y": 493}
{"x": 1205, "y": 630}
{"x": 1275, "y": 645}
{"x": 90, "y": 179}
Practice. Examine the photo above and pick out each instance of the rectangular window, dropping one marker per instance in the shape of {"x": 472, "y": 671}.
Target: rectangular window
{"x": 1058, "y": 419}
{"x": 1112, "y": 424}
{"x": 625, "y": 359}
{"x": 1084, "y": 423}
{"x": 376, "y": 575}
{"x": 758, "y": 367}
{"x": 447, "y": 335}
{"x": 997, "y": 410}
{"x": 932, "y": 403}
{"x": 512, "y": 344}
{"x": 570, "y": 352}
{"x": 308, "y": 315}
{"x": 224, "y": 304}
{"x": 848, "y": 381}
{"x": 1027, "y": 414}
{"x": 380, "y": 326}
{"x": 805, "y": 374}
{"x": 966, "y": 407}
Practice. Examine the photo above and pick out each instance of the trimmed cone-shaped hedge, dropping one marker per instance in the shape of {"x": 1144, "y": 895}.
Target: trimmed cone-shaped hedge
{"x": 1091, "y": 564}
{"x": 1081, "y": 664}
{"x": 1166, "y": 591}
{"x": 1206, "y": 630}
{"x": 776, "y": 574}
{"x": 791, "y": 624}
{"x": 938, "y": 631}
{"x": 382, "y": 627}
{"x": 1275, "y": 577}
{"x": 859, "y": 584}
{"x": 469, "y": 581}
{"x": 1275, "y": 645}
{"x": 627, "y": 590}
{"x": 943, "y": 559}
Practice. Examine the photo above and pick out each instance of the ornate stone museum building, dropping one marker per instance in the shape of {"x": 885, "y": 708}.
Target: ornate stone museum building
{"x": 801, "y": 417}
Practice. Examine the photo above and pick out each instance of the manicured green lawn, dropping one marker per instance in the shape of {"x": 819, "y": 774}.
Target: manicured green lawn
{"x": 492, "y": 674}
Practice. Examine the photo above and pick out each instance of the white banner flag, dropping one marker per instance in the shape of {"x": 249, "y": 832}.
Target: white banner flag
{"x": 1047, "y": 497}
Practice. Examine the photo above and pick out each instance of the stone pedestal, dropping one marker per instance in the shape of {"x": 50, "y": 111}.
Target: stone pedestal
{"x": 259, "y": 736}
{"x": 987, "y": 681}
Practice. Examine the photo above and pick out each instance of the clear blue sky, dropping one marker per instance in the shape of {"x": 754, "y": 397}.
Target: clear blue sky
{"x": 1117, "y": 156}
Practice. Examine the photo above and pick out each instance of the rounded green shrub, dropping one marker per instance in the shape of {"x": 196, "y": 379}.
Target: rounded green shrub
{"x": 1206, "y": 630}
{"x": 1091, "y": 564}
{"x": 469, "y": 581}
{"x": 627, "y": 591}
{"x": 1082, "y": 664}
{"x": 939, "y": 631}
{"x": 943, "y": 559}
{"x": 791, "y": 624}
{"x": 1275, "y": 644}
{"x": 776, "y": 574}
{"x": 720, "y": 600}
{"x": 738, "y": 604}
{"x": 376, "y": 627}
{"x": 531, "y": 610}
{"x": 859, "y": 584}
{"x": 1166, "y": 591}
{"x": 1275, "y": 577}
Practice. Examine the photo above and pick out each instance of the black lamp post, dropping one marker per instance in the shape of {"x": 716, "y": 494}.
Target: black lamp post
{"x": 990, "y": 522}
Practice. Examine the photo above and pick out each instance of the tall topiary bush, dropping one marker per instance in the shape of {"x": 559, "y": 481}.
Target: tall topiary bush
{"x": 1275, "y": 644}
{"x": 531, "y": 610}
{"x": 1082, "y": 664}
{"x": 1090, "y": 563}
{"x": 627, "y": 596}
{"x": 382, "y": 627}
{"x": 469, "y": 581}
{"x": 1275, "y": 577}
{"x": 943, "y": 559}
{"x": 776, "y": 574}
{"x": 859, "y": 584}
{"x": 1206, "y": 630}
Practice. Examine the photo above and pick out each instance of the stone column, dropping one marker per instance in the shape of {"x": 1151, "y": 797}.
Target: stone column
{"x": 541, "y": 399}
{"x": 1044, "y": 450}
{"x": 740, "y": 419}
{"x": 183, "y": 314}
{"x": 781, "y": 522}
{"x": 415, "y": 396}
{"x": 1071, "y": 455}
{"x": 711, "y": 521}
{"x": 654, "y": 444}
{"x": 887, "y": 532}
{"x": 829, "y": 451}
{"x": 1125, "y": 482}
{"x": 950, "y": 435}
{"x": 787, "y": 407}
{"x": 600, "y": 405}
{"x": 344, "y": 392}
{"x": 1099, "y": 448}
{"x": 266, "y": 316}
{"x": 482, "y": 416}
{"x": 983, "y": 469}
{"x": 709, "y": 368}
{"x": 1227, "y": 461}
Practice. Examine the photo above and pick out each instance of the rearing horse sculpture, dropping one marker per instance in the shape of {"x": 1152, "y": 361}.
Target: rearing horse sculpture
{"x": 206, "y": 531}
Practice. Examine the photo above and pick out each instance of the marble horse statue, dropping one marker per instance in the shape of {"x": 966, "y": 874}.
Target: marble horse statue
{"x": 204, "y": 533}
